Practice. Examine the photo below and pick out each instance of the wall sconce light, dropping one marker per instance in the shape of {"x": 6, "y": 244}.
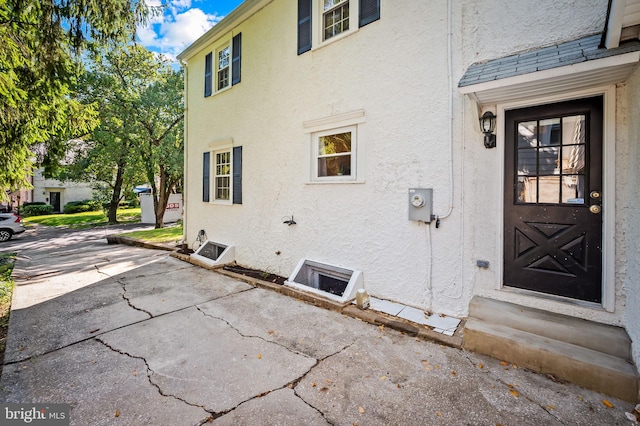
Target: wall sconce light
{"x": 487, "y": 126}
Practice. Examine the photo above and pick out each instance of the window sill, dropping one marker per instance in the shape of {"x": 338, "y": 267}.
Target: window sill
{"x": 341, "y": 36}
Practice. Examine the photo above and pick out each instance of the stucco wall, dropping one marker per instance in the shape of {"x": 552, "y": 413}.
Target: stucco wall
{"x": 404, "y": 142}
{"x": 628, "y": 206}
{"x": 69, "y": 191}
{"x": 396, "y": 70}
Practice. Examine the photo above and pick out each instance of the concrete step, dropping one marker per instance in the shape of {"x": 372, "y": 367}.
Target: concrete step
{"x": 565, "y": 347}
{"x": 600, "y": 337}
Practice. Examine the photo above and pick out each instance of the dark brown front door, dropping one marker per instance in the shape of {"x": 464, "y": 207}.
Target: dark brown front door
{"x": 552, "y": 200}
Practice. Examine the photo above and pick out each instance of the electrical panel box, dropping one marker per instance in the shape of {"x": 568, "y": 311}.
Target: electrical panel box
{"x": 421, "y": 204}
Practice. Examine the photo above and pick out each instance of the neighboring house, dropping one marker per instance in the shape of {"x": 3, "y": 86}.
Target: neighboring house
{"x": 330, "y": 111}
{"x": 57, "y": 193}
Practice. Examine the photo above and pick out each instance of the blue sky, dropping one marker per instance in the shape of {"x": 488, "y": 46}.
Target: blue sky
{"x": 182, "y": 23}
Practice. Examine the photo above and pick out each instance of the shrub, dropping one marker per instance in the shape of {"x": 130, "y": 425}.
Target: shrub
{"x": 82, "y": 206}
{"x": 34, "y": 203}
{"x": 36, "y": 209}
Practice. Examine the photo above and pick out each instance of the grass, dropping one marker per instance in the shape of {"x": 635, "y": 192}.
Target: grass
{"x": 83, "y": 220}
{"x": 162, "y": 235}
{"x": 7, "y": 261}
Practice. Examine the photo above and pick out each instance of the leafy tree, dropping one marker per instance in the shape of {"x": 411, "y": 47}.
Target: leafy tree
{"x": 139, "y": 99}
{"x": 41, "y": 42}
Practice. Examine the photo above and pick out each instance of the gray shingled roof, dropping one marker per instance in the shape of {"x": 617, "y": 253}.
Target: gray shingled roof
{"x": 559, "y": 55}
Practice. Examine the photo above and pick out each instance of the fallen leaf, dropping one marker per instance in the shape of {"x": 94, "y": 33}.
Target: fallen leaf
{"x": 313, "y": 384}
{"x": 607, "y": 403}
{"x": 480, "y": 366}
{"x": 271, "y": 331}
{"x": 324, "y": 389}
{"x": 550, "y": 407}
{"x": 439, "y": 413}
{"x": 381, "y": 327}
{"x": 328, "y": 381}
{"x": 383, "y": 377}
{"x": 290, "y": 385}
{"x": 514, "y": 366}
{"x": 453, "y": 372}
{"x": 504, "y": 363}
{"x": 259, "y": 356}
{"x": 361, "y": 410}
{"x": 514, "y": 392}
{"x": 22, "y": 348}
{"x": 135, "y": 372}
{"x": 399, "y": 386}
{"x": 117, "y": 413}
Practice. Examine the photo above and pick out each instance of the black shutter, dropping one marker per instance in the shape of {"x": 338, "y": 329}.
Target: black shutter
{"x": 206, "y": 171}
{"x": 304, "y": 26}
{"x": 236, "y": 52}
{"x": 208, "y": 67}
{"x": 237, "y": 174}
{"x": 369, "y": 11}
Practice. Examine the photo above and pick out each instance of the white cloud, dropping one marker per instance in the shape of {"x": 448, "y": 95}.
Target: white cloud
{"x": 174, "y": 31}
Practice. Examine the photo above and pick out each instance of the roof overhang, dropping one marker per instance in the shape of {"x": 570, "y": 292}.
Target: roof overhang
{"x": 245, "y": 10}
{"x": 583, "y": 75}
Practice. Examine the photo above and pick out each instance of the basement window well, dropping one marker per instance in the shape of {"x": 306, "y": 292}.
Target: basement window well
{"x": 212, "y": 253}
{"x": 330, "y": 281}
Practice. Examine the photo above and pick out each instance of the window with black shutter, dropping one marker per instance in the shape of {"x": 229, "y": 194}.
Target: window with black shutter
{"x": 304, "y": 26}
{"x": 237, "y": 175}
{"x": 208, "y": 66}
{"x": 235, "y": 58}
{"x": 369, "y": 12}
{"x": 206, "y": 171}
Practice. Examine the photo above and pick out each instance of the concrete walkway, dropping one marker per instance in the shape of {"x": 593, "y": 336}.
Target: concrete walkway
{"x": 132, "y": 336}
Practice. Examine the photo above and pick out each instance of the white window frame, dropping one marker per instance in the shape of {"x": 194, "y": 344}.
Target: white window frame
{"x": 317, "y": 23}
{"x": 215, "y": 148}
{"x": 349, "y": 122}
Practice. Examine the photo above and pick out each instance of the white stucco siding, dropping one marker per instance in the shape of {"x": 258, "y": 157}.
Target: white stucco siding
{"x": 404, "y": 142}
{"x": 496, "y": 28}
{"x": 69, "y": 191}
{"x": 628, "y": 208}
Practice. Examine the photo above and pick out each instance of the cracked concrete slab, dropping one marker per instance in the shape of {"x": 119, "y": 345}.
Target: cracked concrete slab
{"x": 299, "y": 326}
{"x": 102, "y": 386}
{"x": 64, "y": 320}
{"x": 397, "y": 380}
{"x": 280, "y": 407}
{"x": 162, "y": 287}
{"x": 202, "y": 360}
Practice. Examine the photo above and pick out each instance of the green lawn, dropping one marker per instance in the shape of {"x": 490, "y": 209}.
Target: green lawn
{"x": 6, "y": 290}
{"x": 83, "y": 220}
{"x": 162, "y": 235}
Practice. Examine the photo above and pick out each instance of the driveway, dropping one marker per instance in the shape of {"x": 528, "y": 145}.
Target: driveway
{"x": 132, "y": 336}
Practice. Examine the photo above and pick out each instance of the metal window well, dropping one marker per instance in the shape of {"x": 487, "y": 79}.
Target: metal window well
{"x": 213, "y": 253}
{"x": 330, "y": 281}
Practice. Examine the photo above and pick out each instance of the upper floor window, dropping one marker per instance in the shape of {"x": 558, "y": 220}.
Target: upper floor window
{"x": 227, "y": 66}
{"x": 322, "y": 20}
{"x": 335, "y": 17}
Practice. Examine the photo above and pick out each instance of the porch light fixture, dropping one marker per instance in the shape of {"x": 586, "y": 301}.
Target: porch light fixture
{"x": 487, "y": 126}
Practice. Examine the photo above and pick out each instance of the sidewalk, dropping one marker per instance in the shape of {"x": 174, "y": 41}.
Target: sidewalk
{"x": 132, "y": 336}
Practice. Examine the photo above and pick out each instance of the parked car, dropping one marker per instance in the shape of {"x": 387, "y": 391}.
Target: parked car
{"x": 10, "y": 224}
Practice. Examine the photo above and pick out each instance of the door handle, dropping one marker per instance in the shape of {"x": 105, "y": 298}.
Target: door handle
{"x": 595, "y": 209}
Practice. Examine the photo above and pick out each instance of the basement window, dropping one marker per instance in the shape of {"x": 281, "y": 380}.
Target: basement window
{"x": 212, "y": 253}
{"x": 330, "y": 281}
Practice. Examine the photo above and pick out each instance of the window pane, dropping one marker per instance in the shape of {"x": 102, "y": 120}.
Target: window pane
{"x": 334, "y": 166}
{"x": 550, "y": 132}
{"x": 573, "y": 189}
{"x": 223, "y": 58}
{"x": 334, "y": 144}
{"x": 526, "y": 189}
{"x": 336, "y": 21}
{"x": 573, "y": 159}
{"x": 328, "y": 4}
{"x": 549, "y": 189}
{"x": 527, "y": 134}
{"x": 222, "y": 188}
{"x": 548, "y": 161}
{"x": 573, "y": 130}
{"x": 527, "y": 161}
{"x": 223, "y": 78}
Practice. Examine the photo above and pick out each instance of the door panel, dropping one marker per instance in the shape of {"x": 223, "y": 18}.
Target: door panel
{"x": 553, "y": 182}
